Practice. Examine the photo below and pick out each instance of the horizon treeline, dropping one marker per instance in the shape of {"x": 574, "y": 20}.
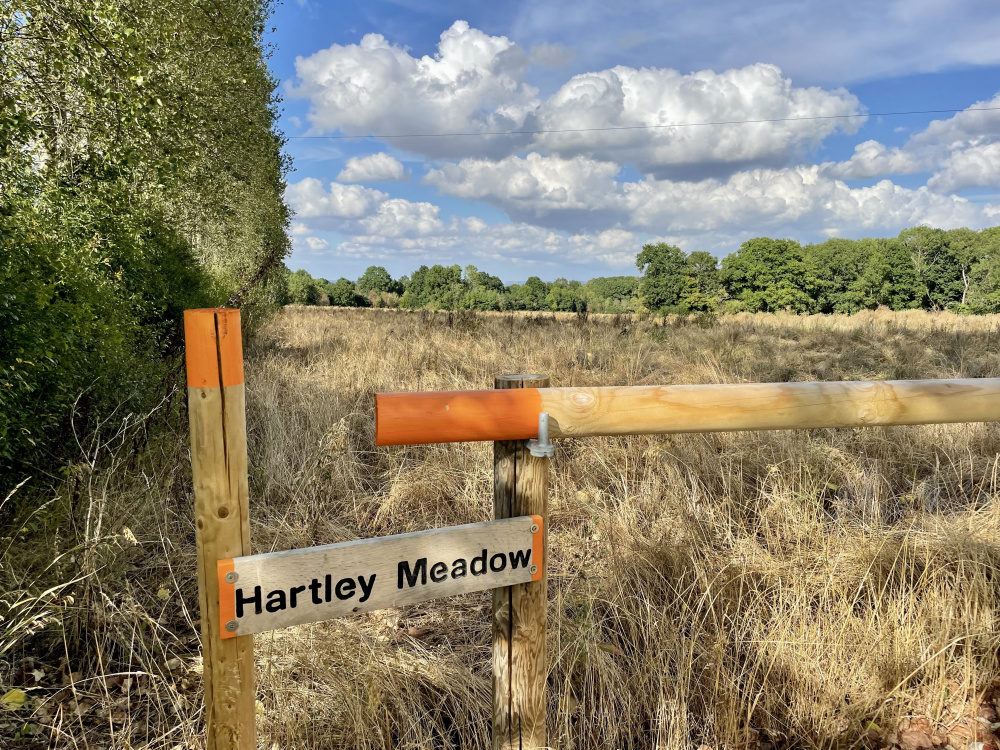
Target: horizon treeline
{"x": 140, "y": 174}
{"x": 921, "y": 268}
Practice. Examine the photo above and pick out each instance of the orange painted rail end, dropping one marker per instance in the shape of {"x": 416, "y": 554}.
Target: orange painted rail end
{"x": 456, "y": 416}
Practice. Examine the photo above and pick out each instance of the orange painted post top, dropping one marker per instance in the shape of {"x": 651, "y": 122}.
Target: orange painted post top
{"x": 456, "y": 416}
{"x": 213, "y": 347}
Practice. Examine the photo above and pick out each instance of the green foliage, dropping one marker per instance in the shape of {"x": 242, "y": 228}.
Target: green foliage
{"x": 476, "y": 279}
{"x": 481, "y": 298}
{"x": 566, "y": 296}
{"x": 141, "y": 174}
{"x": 704, "y": 291}
{"x": 376, "y": 279}
{"x": 343, "y": 293}
{"x": 612, "y": 294}
{"x": 531, "y": 295}
{"x": 668, "y": 279}
{"x": 942, "y": 261}
{"x": 437, "y": 287}
{"x": 768, "y": 275}
{"x": 984, "y": 290}
{"x": 922, "y": 268}
{"x": 303, "y": 289}
{"x": 888, "y": 279}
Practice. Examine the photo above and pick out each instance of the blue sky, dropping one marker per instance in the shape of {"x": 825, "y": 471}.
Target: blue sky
{"x": 581, "y": 204}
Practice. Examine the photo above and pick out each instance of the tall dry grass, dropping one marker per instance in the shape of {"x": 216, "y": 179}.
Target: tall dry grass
{"x": 796, "y": 589}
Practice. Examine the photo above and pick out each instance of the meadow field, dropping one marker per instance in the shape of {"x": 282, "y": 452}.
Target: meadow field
{"x": 751, "y": 591}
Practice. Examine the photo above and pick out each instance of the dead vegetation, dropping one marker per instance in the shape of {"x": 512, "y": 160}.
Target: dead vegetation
{"x": 827, "y": 588}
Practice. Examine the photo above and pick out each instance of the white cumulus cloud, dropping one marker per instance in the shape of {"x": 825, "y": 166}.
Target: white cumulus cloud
{"x": 962, "y": 151}
{"x": 873, "y": 159}
{"x": 380, "y": 167}
{"x": 519, "y": 245}
{"x": 580, "y": 192}
{"x": 308, "y": 199}
{"x": 398, "y": 217}
{"x": 969, "y": 167}
{"x": 534, "y": 187}
{"x": 474, "y": 83}
{"x": 648, "y": 99}
{"x": 316, "y": 243}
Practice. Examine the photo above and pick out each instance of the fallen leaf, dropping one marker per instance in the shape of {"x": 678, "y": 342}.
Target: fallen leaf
{"x": 163, "y": 594}
{"x": 13, "y": 700}
{"x": 913, "y": 739}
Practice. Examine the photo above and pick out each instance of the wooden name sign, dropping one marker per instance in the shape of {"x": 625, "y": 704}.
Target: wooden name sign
{"x": 264, "y": 592}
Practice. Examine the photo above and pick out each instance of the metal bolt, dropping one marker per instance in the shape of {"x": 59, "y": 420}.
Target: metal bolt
{"x": 534, "y": 569}
{"x": 534, "y": 528}
{"x": 232, "y": 625}
{"x": 232, "y": 576}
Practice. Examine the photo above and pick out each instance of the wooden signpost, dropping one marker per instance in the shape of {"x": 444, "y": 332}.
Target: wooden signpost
{"x": 242, "y": 594}
{"x": 279, "y": 589}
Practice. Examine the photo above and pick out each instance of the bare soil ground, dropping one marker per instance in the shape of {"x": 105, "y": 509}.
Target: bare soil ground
{"x": 826, "y": 588}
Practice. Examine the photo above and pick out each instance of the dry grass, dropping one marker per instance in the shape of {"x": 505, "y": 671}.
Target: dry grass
{"x": 737, "y": 590}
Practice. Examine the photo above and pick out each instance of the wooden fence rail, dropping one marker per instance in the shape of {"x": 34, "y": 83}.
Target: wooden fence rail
{"x": 459, "y": 416}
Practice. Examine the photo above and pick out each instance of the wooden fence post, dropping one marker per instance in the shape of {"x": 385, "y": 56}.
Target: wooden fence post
{"x": 520, "y": 488}
{"x": 216, "y": 405}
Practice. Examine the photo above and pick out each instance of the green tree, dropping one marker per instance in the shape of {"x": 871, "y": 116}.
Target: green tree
{"x": 531, "y": 295}
{"x": 666, "y": 281}
{"x": 302, "y": 288}
{"x": 984, "y": 287}
{"x": 888, "y": 279}
{"x": 836, "y": 266}
{"x": 140, "y": 173}
{"x": 377, "y": 279}
{"x": 343, "y": 293}
{"x": 704, "y": 292}
{"x": 565, "y": 296}
{"x": 438, "y": 287}
{"x": 481, "y": 298}
{"x": 768, "y": 275}
{"x": 473, "y": 279}
{"x": 939, "y": 268}
{"x": 612, "y": 294}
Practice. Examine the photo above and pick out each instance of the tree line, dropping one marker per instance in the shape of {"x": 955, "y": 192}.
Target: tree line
{"x": 455, "y": 288}
{"x": 921, "y": 268}
{"x": 140, "y": 174}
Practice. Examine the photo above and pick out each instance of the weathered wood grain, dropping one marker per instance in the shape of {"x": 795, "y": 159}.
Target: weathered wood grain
{"x": 520, "y": 666}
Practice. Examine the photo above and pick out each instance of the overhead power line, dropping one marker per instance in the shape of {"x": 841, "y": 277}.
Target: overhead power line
{"x": 385, "y": 136}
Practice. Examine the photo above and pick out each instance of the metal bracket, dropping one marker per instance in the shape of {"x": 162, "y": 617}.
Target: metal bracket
{"x": 542, "y": 448}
